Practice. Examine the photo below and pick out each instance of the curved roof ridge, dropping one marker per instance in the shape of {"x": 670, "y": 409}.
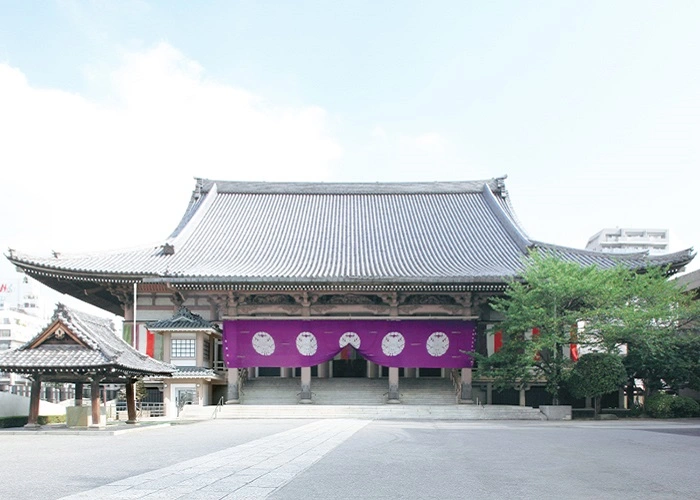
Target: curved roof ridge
{"x": 677, "y": 259}
{"x": 194, "y": 214}
{"x": 511, "y": 227}
{"x": 436, "y": 187}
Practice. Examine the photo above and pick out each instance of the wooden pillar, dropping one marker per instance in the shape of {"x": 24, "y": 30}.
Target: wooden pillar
{"x": 305, "y": 396}
{"x": 489, "y": 393}
{"x": 95, "y": 402}
{"x": 34, "y": 400}
{"x": 130, "y": 402}
{"x": 522, "y": 396}
{"x": 394, "y": 396}
{"x": 78, "y": 394}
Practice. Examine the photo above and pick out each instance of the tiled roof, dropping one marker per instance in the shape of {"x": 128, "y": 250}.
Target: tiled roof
{"x": 102, "y": 349}
{"x": 195, "y": 372}
{"x": 184, "y": 319}
{"x": 304, "y": 233}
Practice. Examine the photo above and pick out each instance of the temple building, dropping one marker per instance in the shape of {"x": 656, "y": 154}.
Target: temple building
{"x": 313, "y": 281}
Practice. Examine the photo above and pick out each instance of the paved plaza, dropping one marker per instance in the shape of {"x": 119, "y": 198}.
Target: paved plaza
{"x": 358, "y": 459}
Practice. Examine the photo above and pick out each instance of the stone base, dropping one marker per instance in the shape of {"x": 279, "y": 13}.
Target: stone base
{"x": 556, "y": 412}
{"x": 32, "y": 426}
{"x": 465, "y": 402}
{"x": 233, "y": 402}
{"x": 305, "y": 401}
{"x": 393, "y": 401}
{"x": 81, "y": 416}
{"x": 606, "y": 416}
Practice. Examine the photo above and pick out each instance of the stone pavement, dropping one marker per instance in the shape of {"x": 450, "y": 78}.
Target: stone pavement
{"x": 248, "y": 471}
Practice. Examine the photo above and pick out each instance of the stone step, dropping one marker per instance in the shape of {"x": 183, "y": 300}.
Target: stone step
{"x": 341, "y": 391}
{"x": 376, "y": 412}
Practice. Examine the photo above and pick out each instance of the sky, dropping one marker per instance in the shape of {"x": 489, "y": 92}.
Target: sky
{"x": 110, "y": 110}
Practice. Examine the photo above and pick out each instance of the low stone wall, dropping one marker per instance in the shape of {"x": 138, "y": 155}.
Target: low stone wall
{"x": 556, "y": 412}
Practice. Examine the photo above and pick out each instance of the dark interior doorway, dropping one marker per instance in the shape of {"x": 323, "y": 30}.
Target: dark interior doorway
{"x": 349, "y": 363}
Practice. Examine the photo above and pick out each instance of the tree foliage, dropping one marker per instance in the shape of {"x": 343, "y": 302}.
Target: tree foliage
{"x": 645, "y": 312}
{"x": 596, "y": 374}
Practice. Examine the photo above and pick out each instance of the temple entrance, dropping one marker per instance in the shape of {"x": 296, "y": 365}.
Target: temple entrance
{"x": 349, "y": 364}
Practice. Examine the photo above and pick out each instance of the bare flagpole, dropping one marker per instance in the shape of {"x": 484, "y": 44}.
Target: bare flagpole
{"x": 134, "y": 332}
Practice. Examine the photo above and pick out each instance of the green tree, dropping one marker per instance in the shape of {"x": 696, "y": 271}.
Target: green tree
{"x": 596, "y": 374}
{"x": 657, "y": 322}
{"x": 552, "y": 296}
{"x": 643, "y": 311}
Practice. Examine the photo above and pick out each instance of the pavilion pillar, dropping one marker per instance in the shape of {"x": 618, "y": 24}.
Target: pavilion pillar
{"x": 78, "y": 394}
{"x": 323, "y": 370}
{"x": 489, "y": 393}
{"x": 521, "y": 402}
{"x": 394, "y": 396}
{"x": 233, "y": 393}
{"x": 465, "y": 393}
{"x": 130, "y": 402}
{"x": 621, "y": 398}
{"x": 372, "y": 369}
{"x": 95, "y": 402}
{"x": 34, "y": 400}
{"x": 410, "y": 373}
{"x": 305, "y": 396}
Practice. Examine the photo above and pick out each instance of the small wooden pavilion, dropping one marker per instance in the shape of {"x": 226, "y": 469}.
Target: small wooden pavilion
{"x": 80, "y": 348}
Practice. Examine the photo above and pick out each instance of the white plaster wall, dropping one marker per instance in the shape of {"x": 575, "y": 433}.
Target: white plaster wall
{"x": 12, "y": 405}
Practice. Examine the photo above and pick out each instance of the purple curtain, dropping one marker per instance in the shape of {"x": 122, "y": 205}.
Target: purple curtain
{"x": 396, "y": 343}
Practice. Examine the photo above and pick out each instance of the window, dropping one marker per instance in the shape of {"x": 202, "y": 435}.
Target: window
{"x": 5, "y": 333}
{"x": 182, "y": 348}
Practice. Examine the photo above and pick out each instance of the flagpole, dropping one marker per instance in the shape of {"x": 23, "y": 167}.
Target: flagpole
{"x": 134, "y": 333}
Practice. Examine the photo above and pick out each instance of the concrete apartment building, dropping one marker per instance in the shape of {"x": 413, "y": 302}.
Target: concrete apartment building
{"x": 21, "y": 317}
{"x": 628, "y": 240}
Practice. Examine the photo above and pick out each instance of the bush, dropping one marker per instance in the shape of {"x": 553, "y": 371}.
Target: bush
{"x": 683, "y": 406}
{"x": 659, "y": 405}
{"x": 664, "y": 405}
{"x": 6, "y": 422}
{"x": 12, "y": 422}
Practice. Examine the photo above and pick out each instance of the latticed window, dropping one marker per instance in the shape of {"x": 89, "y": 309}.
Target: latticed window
{"x": 182, "y": 348}
{"x": 206, "y": 350}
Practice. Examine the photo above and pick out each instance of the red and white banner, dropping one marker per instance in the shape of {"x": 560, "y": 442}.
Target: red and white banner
{"x": 145, "y": 341}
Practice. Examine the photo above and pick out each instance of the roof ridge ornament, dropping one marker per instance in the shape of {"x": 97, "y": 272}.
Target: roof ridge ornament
{"x": 198, "y": 188}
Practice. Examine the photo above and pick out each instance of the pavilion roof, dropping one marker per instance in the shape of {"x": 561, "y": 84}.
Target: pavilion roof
{"x": 183, "y": 320}
{"x": 255, "y": 234}
{"x": 78, "y": 344}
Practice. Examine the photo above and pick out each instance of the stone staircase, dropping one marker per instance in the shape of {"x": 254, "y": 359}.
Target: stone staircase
{"x": 431, "y": 399}
{"x": 375, "y": 412}
{"x": 427, "y": 391}
{"x": 348, "y": 391}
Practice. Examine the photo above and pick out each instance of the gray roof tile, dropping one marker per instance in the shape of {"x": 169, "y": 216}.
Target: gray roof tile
{"x": 243, "y": 232}
{"x": 184, "y": 319}
{"x": 103, "y": 348}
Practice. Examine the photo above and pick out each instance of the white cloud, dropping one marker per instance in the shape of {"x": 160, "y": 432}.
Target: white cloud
{"x": 83, "y": 173}
{"x": 429, "y": 142}
{"x": 378, "y": 132}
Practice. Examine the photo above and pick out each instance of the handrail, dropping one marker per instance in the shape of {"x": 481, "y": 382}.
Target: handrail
{"x": 219, "y": 407}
